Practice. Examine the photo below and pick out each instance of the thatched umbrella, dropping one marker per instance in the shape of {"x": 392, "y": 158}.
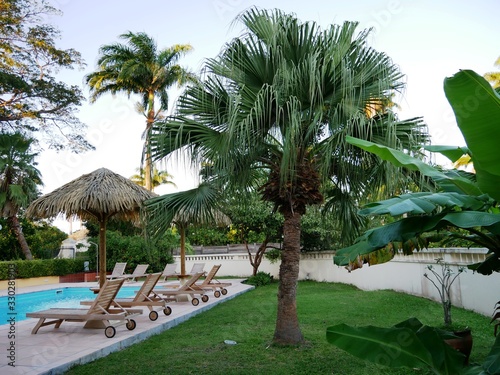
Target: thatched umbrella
{"x": 99, "y": 195}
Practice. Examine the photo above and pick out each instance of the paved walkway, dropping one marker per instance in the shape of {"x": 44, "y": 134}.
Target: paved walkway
{"x": 53, "y": 351}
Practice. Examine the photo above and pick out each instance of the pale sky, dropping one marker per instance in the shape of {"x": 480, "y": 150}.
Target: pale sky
{"x": 428, "y": 39}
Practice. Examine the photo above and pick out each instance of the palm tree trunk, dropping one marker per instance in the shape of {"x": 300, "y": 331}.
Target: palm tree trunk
{"x": 18, "y": 231}
{"x": 287, "y": 330}
{"x": 149, "y": 123}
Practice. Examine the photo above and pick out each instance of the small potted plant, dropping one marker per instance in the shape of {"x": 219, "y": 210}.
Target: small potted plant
{"x": 443, "y": 281}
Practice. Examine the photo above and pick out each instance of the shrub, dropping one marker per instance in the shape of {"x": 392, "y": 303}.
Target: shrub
{"x": 208, "y": 236}
{"x": 39, "y": 268}
{"x": 260, "y": 279}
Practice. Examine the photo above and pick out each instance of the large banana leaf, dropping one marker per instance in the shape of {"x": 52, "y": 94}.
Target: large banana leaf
{"x": 453, "y": 153}
{"x": 408, "y": 228}
{"x": 408, "y": 344}
{"x": 477, "y": 110}
{"x": 450, "y": 181}
{"x": 425, "y": 203}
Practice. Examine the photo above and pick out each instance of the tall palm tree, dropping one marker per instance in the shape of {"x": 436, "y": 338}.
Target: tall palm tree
{"x": 158, "y": 178}
{"x": 138, "y": 67}
{"x": 19, "y": 179}
{"x": 282, "y": 98}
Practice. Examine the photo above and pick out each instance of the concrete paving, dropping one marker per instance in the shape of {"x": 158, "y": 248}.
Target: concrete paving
{"x": 53, "y": 351}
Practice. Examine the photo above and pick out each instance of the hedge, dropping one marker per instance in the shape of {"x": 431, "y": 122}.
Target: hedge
{"x": 38, "y": 268}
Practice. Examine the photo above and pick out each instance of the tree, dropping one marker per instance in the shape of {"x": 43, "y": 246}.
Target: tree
{"x": 158, "y": 178}
{"x": 31, "y": 98}
{"x": 494, "y": 77}
{"x": 281, "y": 98}
{"x": 465, "y": 200}
{"x": 138, "y": 67}
{"x": 468, "y": 201}
{"x": 19, "y": 180}
{"x": 249, "y": 214}
{"x": 44, "y": 240}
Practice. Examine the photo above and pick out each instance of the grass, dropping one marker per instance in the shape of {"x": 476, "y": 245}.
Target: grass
{"x": 197, "y": 345}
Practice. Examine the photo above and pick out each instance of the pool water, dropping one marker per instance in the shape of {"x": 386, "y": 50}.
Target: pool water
{"x": 63, "y": 297}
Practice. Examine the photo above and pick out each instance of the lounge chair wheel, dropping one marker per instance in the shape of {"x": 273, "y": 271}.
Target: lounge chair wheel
{"x": 216, "y": 294}
{"x": 153, "y": 315}
{"x": 110, "y": 331}
{"x": 131, "y": 324}
{"x": 167, "y": 310}
{"x": 224, "y": 291}
{"x": 195, "y": 301}
{"x": 204, "y": 298}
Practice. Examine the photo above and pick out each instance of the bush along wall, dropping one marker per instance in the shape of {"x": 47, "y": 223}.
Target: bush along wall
{"x": 38, "y": 268}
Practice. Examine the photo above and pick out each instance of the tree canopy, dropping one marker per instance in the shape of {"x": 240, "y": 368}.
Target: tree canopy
{"x": 32, "y": 99}
{"x": 139, "y": 67}
{"x": 19, "y": 181}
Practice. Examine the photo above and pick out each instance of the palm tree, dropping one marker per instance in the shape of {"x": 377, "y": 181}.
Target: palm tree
{"x": 494, "y": 77}
{"x": 19, "y": 179}
{"x": 158, "y": 178}
{"x": 282, "y": 98}
{"x": 138, "y": 67}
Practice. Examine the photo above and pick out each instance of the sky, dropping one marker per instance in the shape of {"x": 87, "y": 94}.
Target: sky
{"x": 428, "y": 39}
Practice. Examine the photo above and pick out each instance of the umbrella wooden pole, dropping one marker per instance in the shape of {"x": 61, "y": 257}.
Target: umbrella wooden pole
{"x": 102, "y": 252}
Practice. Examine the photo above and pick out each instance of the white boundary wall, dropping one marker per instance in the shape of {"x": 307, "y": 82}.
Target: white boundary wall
{"x": 471, "y": 290}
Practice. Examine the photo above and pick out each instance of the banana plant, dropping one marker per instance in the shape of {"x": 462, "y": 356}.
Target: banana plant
{"x": 464, "y": 200}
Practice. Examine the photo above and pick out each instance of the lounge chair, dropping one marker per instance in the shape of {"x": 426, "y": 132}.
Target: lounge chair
{"x": 197, "y": 267}
{"x": 169, "y": 271}
{"x": 98, "y": 315}
{"x": 140, "y": 271}
{"x": 117, "y": 272}
{"x": 144, "y": 297}
{"x": 210, "y": 283}
{"x": 185, "y": 289}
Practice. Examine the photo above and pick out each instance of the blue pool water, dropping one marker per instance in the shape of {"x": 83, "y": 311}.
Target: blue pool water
{"x": 63, "y": 297}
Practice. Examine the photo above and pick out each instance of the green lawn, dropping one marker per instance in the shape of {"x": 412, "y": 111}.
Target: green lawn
{"x": 197, "y": 346}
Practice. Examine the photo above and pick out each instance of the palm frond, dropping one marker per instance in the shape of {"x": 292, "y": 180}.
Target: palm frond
{"x": 194, "y": 206}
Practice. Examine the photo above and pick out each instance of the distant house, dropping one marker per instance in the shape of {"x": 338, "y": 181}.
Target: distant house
{"x": 67, "y": 249}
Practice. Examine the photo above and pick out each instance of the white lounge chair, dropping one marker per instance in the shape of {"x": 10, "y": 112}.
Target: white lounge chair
{"x": 140, "y": 271}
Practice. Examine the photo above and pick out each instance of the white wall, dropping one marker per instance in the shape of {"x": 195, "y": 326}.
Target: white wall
{"x": 404, "y": 273}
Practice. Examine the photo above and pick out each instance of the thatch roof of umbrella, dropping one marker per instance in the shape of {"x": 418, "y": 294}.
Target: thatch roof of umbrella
{"x": 95, "y": 195}
{"x": 100, "y": 195}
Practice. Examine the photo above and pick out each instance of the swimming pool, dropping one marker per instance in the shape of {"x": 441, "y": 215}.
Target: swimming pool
{"x": 62, "y": 297}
